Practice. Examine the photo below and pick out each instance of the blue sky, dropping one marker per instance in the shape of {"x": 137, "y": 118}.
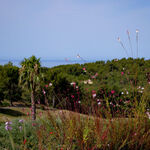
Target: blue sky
{"x": 58, "y": 29}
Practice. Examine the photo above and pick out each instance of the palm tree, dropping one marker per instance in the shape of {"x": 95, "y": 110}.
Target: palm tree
{"x": 30, "y": 77}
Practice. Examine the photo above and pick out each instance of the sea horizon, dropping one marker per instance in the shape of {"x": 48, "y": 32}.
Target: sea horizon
{"x": 48, "y": 62}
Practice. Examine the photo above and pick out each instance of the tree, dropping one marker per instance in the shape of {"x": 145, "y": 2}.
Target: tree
{"x": 9, "y": 88}
{"x": 30, "y": 77}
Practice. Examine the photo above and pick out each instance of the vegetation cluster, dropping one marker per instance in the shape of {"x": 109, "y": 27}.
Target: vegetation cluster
{"x": 91, "y": 106}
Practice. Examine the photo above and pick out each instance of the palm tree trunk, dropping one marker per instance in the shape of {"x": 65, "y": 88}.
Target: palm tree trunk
{"x": 33, "y": 106}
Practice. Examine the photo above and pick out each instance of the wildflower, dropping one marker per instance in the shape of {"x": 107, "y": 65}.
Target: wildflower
{"x": 50, "y": 84}
{"x": 122, "y": 73}
{"x": 94, "y": 95}
{"x": 126, "y": 102}
{"x": 72, "y": 96}
{"x": 33, "y": 124}
{"x": 84, "y": 69}
{"x": 96, "y": 74}
{"x": 122, "y": 93}
{"x": 24, "y": 142}
{"x": 79, "y": 102}
{"x": 98, "y": 100}
{"x": 85, "y": 82}
{"x": 38, "y": 101}
{"x": 127, "y": 92}
{"x": 137, "y": 30}
{"x": 50, "y": 133}
{"x": 93, "y": 77}
{"x": 46, "y": 86}
{"x": 90, "y": 82}
{"x": 112, "y": 91}
{"x": 21, "y": 121}
{"x": 72, "y": 83}
{"x": 135, "y": 134}
{"x": 99, "y": 103}
{"x": 20, "y": 127}
{"x": 142, "y": 88}
{"x": 8, "y": 123}
{"x": 27, "y": 113}
{"x": 148, "y": 114}
{"x": 7, "y": 127}
{"x": 44, "y": 92}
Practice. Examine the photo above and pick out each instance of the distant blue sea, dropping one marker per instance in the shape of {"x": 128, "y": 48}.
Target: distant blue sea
{"x": 47, "y": 63}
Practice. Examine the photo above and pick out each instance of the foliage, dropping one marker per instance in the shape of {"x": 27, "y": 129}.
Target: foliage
{"x": 9, "y": 77}
{"x": 69, "y": 130}
{"x": 30, "y": 77}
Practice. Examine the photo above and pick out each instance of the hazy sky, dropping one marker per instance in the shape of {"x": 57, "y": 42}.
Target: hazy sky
{"x": 58, "y": 29}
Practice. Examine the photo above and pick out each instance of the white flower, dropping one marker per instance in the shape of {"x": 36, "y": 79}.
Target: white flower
{"x": 90, "y": 82}
{"x": 127, "y": 92}
{"x": 137, "y": 30}
{"x": 139, "y": 87}
{"x": 50, "y": 84}
{"x": 85, "y": 82}
{"x": 94, "y": 95}
{"x": 72, "y": 83}
{"x": 98, "y": 100}
{"x": 142, "y": 88}
{"x": 148, "y": 114}
{"x": 122, "y": 93}
{"x": 99, "y": 103}
{"x": 79, "y": 102}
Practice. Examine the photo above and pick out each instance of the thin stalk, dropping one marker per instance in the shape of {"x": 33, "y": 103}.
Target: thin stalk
{"x": 78, "y": 56}
{"x": 128, "y": 33}
{"x": 137, "y": 31}
{"x": 123, "y": 47}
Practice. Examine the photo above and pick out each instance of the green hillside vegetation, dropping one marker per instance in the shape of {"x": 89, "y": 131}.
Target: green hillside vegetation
{"x": 125, "y": 79}
{"x": 100, "y": 105}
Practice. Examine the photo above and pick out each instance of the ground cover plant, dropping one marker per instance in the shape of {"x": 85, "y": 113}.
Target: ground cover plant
{"x": 92, "y": 106}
